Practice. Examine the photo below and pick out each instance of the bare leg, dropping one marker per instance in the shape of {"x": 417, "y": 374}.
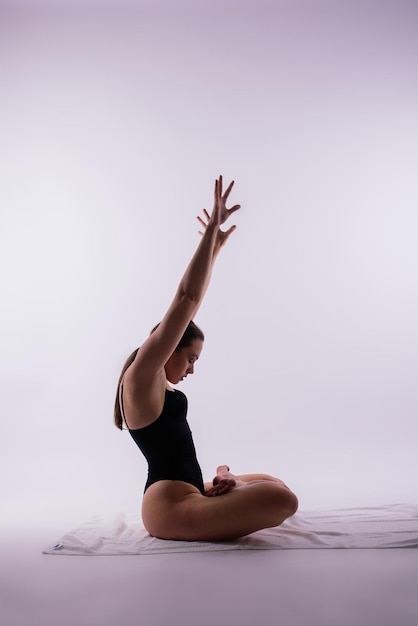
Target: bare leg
{"x": 224, "y": 481}
{"x": 248, "y": 478}
{"x": 177, "y": 510}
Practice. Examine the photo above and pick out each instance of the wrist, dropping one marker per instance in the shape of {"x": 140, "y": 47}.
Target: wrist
{"x": 211, "y": 228}
{"x": 211, "y": 233}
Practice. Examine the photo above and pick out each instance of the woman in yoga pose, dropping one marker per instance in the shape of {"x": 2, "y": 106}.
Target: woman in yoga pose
{"x": 177, "y": 504}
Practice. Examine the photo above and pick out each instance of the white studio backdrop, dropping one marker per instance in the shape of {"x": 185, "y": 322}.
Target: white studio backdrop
{"x": 115, "y": 121}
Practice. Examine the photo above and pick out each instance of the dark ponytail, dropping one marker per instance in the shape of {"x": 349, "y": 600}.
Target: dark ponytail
{"x": 117, "y": 412}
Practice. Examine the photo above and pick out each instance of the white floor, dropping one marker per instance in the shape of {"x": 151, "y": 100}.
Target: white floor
{"x": 295, "y": 587}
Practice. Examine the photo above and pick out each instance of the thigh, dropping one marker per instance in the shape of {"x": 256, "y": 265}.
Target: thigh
{"x": 175, "y": 510}
{"x": 247, "y": 478}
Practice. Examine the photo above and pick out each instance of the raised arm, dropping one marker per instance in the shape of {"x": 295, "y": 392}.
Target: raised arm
{"x": 159, "y": 346}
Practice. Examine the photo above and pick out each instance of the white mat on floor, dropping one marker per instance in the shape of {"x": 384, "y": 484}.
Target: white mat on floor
{"x": 390, "y": 526}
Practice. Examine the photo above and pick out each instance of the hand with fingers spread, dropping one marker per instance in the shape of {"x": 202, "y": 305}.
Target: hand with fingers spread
{"x": 220, "y": 213}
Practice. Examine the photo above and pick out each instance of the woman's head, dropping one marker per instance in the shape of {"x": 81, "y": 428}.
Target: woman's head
{"x": 179, "y": 365}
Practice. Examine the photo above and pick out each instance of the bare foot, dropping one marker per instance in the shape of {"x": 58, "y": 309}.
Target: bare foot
{"x": 223, "y": 474}
{"x": 223, "y": 482}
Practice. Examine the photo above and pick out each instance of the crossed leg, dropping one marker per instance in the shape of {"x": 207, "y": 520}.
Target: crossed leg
{"x": 224, "y": 481}
{"x": 244, "y": 504}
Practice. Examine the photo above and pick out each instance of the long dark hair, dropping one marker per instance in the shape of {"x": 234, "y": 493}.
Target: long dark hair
{"x": 192, "y": 332}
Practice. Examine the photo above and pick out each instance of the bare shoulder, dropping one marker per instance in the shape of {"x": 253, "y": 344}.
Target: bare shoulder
{"x": 143, "y": 398}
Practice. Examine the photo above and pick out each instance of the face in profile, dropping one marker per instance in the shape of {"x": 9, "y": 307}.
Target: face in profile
{"x": 181, "y": 363}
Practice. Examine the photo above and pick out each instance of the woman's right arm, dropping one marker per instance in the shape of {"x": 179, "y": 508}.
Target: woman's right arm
{"x": 159, "y": 346}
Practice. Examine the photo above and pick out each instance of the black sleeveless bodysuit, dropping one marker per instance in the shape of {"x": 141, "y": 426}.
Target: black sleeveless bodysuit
{"x": 167, "y": 444}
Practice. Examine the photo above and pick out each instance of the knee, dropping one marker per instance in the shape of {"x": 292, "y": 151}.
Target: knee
{"x": 293, "y": 503}
{"x": 287, "y": 502}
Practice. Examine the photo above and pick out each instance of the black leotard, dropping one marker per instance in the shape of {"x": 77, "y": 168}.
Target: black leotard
{"x": 167, "y": 444}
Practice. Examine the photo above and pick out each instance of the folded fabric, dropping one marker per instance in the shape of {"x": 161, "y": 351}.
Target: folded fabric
{"x": 389, "y": 526}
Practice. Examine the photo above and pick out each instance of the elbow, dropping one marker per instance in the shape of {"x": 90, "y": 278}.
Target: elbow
{"x": 190, "y": 295}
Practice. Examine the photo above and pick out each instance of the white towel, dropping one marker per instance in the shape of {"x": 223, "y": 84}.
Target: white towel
{"x": 390, "y": 526}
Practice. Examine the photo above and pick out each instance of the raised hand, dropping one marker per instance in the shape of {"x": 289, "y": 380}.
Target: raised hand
{"x": 220, "y": 213}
